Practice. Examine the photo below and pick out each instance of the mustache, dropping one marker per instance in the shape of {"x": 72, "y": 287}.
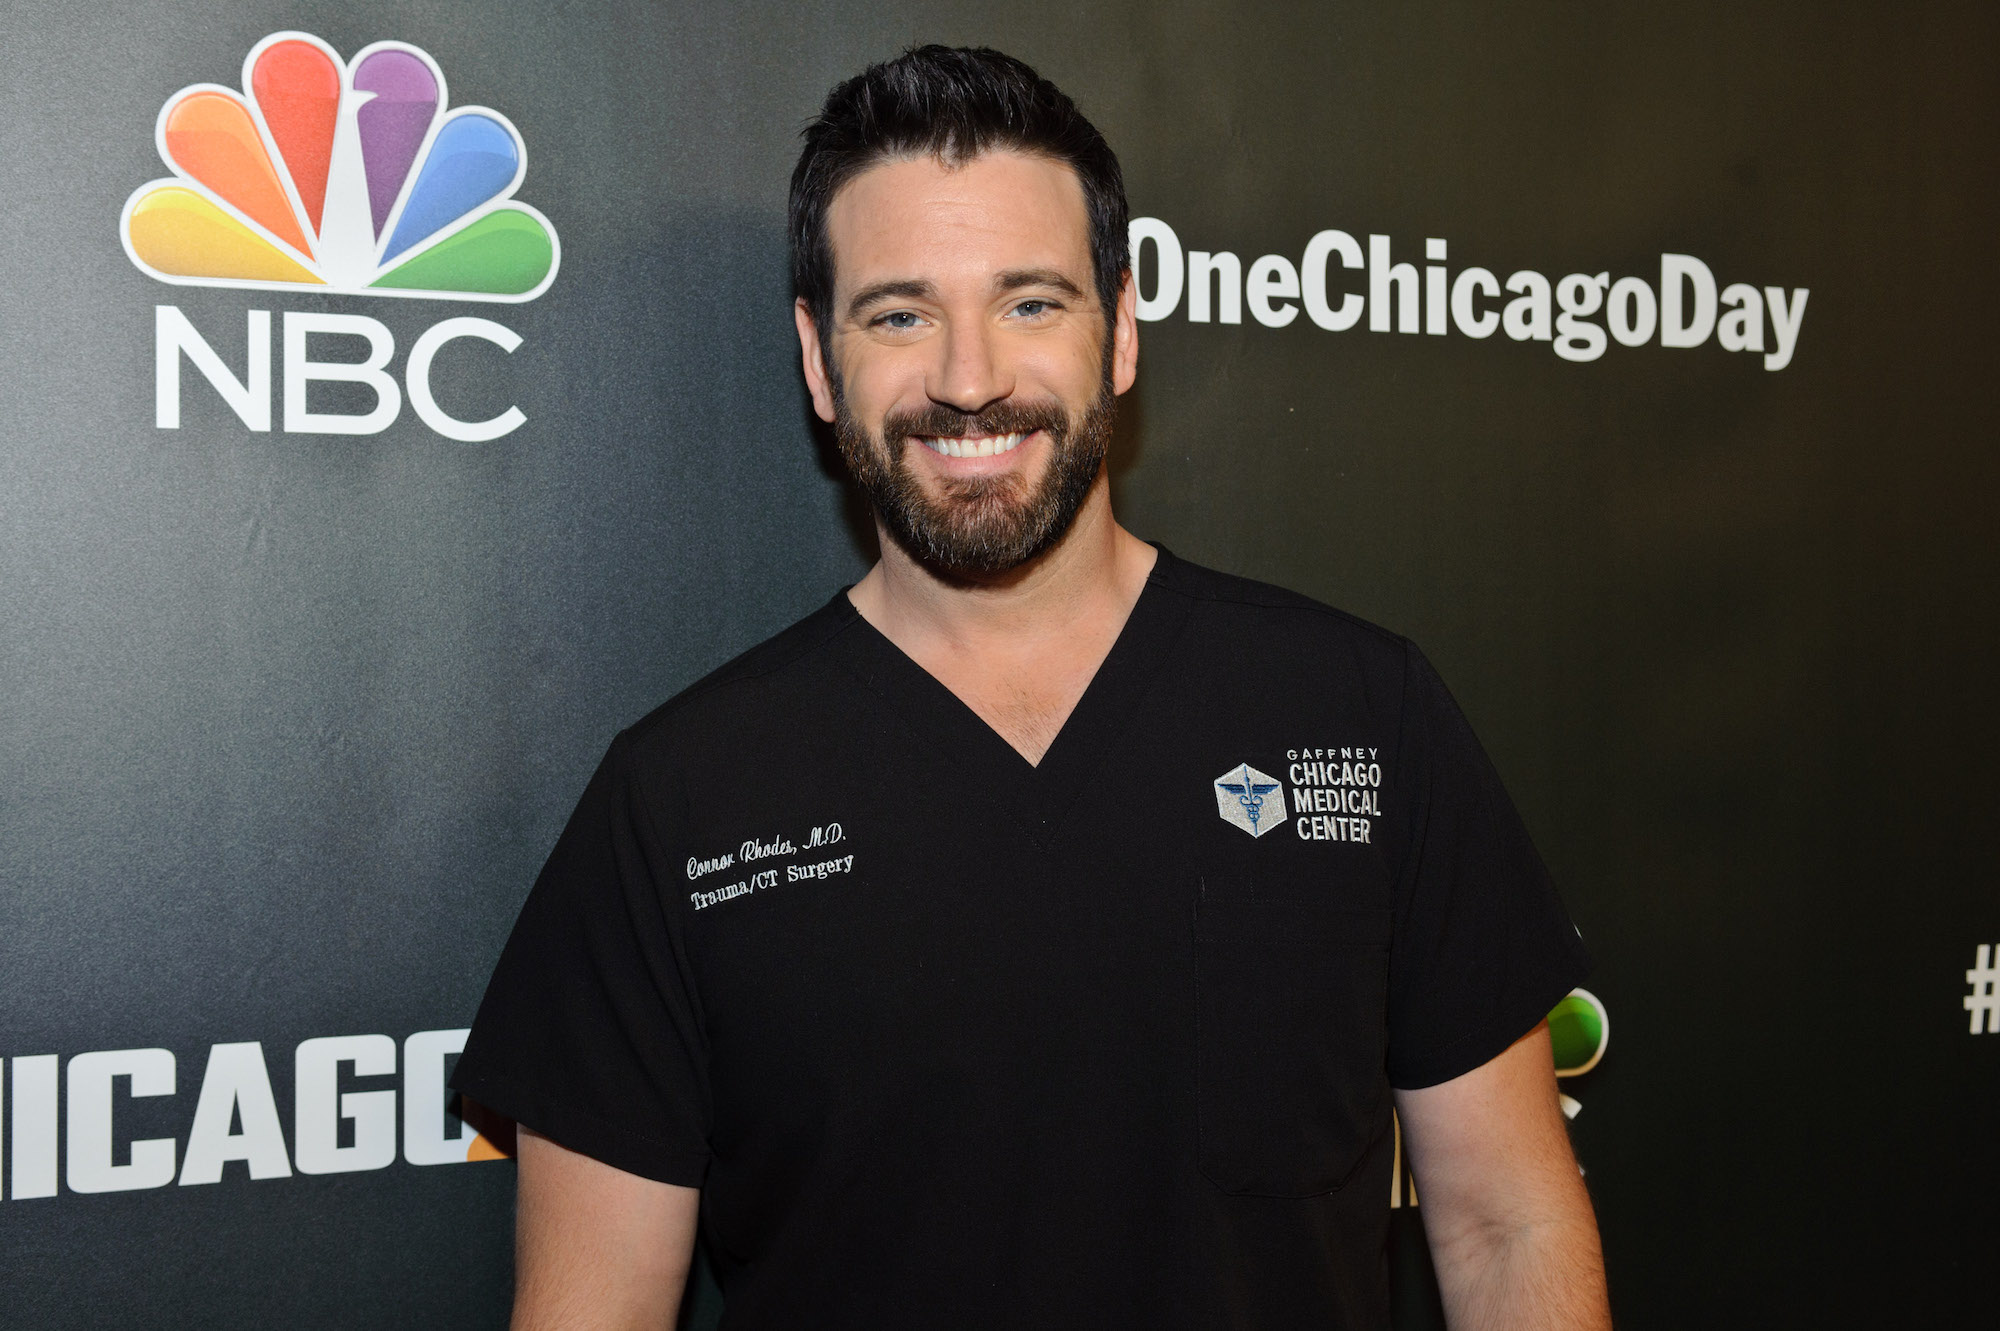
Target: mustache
{"x": 939, "y": 421}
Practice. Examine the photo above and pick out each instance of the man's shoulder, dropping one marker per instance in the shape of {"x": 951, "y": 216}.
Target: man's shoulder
{"x": 791, "y": 663}
{"x": 1240, "y": 605}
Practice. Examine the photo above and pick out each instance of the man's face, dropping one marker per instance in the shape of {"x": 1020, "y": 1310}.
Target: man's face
{"x": 969, "y": 372}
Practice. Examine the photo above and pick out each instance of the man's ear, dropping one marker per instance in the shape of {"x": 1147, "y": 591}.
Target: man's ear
{"x": 1125, "y": 335}
{"x": 814, "y": 357}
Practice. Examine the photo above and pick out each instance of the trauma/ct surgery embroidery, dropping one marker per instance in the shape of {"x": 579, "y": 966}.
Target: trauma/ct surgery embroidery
{"x": 758, "y": 849}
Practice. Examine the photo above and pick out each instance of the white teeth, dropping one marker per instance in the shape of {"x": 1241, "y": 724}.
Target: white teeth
{"x": 984, "y": 447}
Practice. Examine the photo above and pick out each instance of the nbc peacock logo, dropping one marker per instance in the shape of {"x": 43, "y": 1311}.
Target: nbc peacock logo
{"x": 340, "y": 176}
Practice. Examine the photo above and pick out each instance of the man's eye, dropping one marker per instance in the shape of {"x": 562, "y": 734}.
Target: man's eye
{"x": 901, "y": 320}
{"x": 1032, "y": 309}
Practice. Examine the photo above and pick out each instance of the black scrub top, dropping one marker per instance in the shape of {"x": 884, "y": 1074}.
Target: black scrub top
{"x": 952, "y": 1040}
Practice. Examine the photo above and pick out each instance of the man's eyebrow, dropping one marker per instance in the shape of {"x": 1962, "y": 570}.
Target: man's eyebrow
{"x": 1016, "y": 278}
{"x": 904, "y": 288}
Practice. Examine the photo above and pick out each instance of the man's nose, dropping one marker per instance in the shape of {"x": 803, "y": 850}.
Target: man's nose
{"x": 970, "y": 376}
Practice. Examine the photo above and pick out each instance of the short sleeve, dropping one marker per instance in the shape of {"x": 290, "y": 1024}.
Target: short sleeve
{"x": 589, "y": 1032}
{"x": 1483, "y": 947}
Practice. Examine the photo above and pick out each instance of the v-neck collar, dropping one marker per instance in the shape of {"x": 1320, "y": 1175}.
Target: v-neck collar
{"x": 1041, "y": 795}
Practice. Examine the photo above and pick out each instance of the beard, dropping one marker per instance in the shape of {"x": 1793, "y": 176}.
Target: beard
{"x": 978, "y": 527}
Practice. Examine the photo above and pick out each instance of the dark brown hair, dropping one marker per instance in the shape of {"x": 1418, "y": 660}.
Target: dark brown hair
{"x": 953, "y": 104}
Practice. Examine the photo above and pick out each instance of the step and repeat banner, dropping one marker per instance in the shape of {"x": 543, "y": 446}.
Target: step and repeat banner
{"x": 402, "y": 398}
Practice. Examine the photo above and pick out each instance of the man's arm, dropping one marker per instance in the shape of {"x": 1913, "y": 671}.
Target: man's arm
{"x": 1510, "y": 1225}
{"x": 596, "y": 1248}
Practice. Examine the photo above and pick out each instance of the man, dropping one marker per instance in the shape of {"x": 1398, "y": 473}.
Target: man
{"x": 1037, "y": 935}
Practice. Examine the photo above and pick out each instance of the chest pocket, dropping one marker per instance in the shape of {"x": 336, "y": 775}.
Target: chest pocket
{"x": 1291, "y": 1037}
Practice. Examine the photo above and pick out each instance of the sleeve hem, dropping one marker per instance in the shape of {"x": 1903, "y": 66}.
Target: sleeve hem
{"x": 1491, "y": 1038}
{"x": 587, "y": 1134}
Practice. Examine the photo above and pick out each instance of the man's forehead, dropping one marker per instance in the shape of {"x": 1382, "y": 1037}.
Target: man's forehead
{"x": 918, "y": 218}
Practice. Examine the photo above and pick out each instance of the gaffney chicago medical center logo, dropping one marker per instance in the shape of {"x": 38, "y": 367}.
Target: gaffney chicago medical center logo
{"x": 354, "y": 178}
{"x": 1251, "y": 800}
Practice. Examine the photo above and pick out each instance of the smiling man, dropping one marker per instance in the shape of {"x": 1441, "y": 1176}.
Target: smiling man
{"x": 1065, "y": 970}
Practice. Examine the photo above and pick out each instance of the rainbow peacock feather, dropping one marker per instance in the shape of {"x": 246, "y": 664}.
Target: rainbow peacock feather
{"x": 339, "y": 176}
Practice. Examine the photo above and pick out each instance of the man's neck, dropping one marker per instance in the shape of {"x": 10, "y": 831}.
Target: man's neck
{"x": 1020, "y": 649}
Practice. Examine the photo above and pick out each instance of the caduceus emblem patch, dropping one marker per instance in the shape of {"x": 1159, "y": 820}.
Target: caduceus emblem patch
{"x": 1250, "y": 799}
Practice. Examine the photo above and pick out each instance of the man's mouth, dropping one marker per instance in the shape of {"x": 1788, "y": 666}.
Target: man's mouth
{"x": 973, "y": 446}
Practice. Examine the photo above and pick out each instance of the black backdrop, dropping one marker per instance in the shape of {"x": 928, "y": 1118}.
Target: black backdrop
{"x": 289, "y": 720}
